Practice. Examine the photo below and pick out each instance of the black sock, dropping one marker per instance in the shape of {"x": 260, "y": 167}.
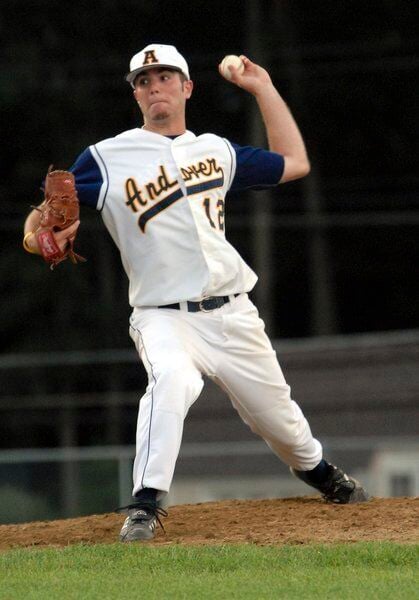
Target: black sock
{"x": 146, "y": 494}
{"x": 317, "y": 475}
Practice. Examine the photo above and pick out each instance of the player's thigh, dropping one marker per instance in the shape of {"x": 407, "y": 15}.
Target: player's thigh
{"x": 161, "y": 338}
{"x": 159, "y": 335}
{"x": 249, "y": 367}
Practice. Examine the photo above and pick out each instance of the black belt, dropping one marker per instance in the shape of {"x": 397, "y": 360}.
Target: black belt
{"x": 205, "y": 305}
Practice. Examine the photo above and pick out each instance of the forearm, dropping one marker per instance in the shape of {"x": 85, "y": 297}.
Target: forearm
{"x": 32, "y": 221}
{"x": 284, "y": 136}
{"x": 31, "y": 224}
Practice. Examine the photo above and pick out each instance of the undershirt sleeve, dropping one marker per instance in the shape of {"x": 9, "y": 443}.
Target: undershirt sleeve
{"x": 256, "y": 168}
{"x": 88, "y": 177}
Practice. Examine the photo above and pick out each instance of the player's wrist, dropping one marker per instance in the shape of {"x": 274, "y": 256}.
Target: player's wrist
{"x": 266, "y": 92}
{"x": 30, "y": 243}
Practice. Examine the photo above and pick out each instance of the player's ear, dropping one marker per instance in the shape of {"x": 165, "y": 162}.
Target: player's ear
{"x": 188, "y": 87}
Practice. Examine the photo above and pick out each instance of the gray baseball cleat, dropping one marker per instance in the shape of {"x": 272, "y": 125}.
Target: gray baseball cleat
{"x": 338, "y": 487}
{"x": 141, "y": 521}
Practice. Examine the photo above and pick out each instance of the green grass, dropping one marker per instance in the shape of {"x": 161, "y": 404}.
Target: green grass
{"x": 363, "y": 570}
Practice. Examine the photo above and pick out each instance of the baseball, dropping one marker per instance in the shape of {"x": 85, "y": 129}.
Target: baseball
{"x": 231, "y": 60}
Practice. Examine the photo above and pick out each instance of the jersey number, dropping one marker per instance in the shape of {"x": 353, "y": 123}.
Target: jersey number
{"x": 220, "y": 213}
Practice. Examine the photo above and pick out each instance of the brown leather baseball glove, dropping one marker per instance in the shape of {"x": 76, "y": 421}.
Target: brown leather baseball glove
{"x": 59, "y": 210}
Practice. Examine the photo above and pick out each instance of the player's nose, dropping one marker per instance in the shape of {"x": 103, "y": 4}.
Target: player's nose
{"x": 154, "y": 85}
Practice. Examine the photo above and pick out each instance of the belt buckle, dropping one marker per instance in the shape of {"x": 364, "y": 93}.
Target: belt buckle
{"x": 202, "y": 307}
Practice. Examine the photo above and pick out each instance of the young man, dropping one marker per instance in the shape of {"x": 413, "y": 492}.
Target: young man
{"x": 161, "y": 193}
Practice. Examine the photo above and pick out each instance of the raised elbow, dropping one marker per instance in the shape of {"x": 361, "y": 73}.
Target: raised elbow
{"x": 295, "y": 169}
{"x": 305, "y": 168}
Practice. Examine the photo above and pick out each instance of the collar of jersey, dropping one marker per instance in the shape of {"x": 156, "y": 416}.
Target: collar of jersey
{"x": 187, "y": 136}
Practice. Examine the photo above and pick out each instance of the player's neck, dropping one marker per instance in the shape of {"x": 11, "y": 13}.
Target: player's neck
{"x": 170, "y": 129}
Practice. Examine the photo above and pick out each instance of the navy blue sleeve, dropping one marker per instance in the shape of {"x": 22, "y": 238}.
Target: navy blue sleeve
{"x": 256, "y": 168}
{"x": 88, "y": 177}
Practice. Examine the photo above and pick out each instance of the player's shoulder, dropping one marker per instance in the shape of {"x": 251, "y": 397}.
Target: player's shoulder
{"x": 212, "y": 139}
{"x": 120, "y": 138}
{"x": 209, "y": 136}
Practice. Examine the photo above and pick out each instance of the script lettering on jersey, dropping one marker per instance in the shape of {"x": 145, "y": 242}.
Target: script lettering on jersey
{"x": 208, "y": 173}
{"x": 137, "y": 197}
{"x": 199, "y": 177}
{"x": 205, "y": 168}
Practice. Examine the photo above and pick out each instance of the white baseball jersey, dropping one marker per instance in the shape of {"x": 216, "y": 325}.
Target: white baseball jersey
{"x": 163, "y": 202}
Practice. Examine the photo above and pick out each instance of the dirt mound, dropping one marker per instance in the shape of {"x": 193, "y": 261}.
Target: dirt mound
{"x": 267, "y": 522}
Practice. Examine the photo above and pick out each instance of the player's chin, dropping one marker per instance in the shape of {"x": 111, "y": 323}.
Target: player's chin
{"x": 161, "y": 115}
{"x": 158, "y": 111}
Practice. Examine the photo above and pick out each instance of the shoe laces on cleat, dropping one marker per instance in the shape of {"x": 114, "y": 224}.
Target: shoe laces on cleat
{"x": 143, "y": 511}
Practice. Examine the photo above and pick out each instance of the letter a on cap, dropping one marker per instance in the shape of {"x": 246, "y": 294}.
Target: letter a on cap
{"x": 149, "y": 58}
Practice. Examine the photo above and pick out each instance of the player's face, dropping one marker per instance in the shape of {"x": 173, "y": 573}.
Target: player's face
{"x": 161, "y": 95}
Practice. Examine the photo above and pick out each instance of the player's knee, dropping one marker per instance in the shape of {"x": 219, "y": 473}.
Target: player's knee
{"x": 176, "y": 370}
{"x": 283, "y": 393}
{"x": 287, "y": 425}
{"x": 179, "y": 382}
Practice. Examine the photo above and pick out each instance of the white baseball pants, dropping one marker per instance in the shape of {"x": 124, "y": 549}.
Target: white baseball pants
{"x": 230, "y": 346}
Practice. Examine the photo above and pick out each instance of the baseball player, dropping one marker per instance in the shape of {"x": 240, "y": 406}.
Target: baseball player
{"x": 161, "y": 191}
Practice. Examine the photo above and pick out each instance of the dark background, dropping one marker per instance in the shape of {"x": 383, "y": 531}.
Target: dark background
{"x": 343, "y": 251}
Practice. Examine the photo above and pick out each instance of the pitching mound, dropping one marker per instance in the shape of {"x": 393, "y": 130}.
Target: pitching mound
{"x": 280, "y": 521}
